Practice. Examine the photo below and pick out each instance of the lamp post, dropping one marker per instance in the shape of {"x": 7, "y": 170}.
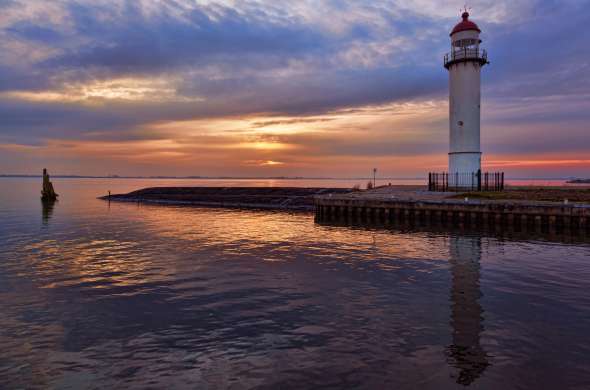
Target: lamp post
{"x": 374, "y": 177}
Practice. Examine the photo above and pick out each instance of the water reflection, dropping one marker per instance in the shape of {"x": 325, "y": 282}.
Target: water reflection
{"x": 466, "y": 353}
{"x": 47, "y": 206}
{"x": 179, "y": 297}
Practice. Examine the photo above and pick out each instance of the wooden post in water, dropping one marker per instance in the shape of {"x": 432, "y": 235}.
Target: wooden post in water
{"x": 47, "y": 193}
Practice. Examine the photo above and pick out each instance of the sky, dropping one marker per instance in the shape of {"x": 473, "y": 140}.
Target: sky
{"x": 315, "y": 88}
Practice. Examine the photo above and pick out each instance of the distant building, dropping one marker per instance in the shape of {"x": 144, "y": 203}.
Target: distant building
{"x": 464, "y": 63}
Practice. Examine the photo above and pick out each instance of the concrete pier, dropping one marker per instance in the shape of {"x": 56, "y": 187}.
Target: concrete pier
{"x": 518, "y": 216}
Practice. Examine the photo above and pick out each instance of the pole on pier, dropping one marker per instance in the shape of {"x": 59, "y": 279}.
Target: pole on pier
{"x": 374, "y": 177}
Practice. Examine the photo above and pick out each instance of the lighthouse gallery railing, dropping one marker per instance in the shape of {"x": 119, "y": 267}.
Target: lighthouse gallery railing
{"x": 466, "y": 55}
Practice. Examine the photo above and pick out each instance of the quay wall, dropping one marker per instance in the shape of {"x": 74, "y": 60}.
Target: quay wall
{"x": 518, "y": 215}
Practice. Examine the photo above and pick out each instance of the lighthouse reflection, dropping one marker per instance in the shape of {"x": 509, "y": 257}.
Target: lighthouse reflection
{"x": 465, "y": 353}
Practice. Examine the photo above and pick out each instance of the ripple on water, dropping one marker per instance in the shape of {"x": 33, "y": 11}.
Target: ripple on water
{"x": 160, "y": 297}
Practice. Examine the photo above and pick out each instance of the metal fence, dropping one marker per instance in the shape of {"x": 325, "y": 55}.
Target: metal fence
{"x": 474, "y": 181}
{"x": 465, "y": 55}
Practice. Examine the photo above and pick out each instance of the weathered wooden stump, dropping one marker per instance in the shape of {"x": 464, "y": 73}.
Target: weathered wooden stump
{"x": 48, "y": 193}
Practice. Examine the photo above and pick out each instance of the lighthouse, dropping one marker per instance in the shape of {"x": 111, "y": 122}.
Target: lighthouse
{"x": 464, "y": 63}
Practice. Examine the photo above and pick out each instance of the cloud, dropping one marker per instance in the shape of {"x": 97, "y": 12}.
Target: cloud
{"x": 113, "y": 71}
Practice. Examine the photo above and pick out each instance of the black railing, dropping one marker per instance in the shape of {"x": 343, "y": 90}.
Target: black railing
{"x": 475, "y": 181}
{"x": 466, "y": 55}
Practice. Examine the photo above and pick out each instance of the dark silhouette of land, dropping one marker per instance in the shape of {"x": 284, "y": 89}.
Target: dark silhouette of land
{"x": 282, "y": 198}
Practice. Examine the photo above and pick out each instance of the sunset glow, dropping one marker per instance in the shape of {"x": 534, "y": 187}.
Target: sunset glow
{"x": 220, "y": 88}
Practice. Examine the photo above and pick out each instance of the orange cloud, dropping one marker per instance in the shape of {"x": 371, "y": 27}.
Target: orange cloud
{"x": 263, "y": 163}
{"x": 536, "y": 163}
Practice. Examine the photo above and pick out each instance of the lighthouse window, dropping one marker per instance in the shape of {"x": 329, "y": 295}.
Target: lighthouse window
{"x": 468, "y": 43}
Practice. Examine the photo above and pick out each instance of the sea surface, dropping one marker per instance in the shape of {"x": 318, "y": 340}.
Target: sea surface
{"x": 98, "y": 295}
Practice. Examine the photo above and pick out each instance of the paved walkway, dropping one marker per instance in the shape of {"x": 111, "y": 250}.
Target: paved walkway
{"x": 398, "y": 193}
{"x": 421, "y": 193}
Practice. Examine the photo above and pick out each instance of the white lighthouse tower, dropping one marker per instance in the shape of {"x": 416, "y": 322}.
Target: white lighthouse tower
{"x": 464, "y": 64}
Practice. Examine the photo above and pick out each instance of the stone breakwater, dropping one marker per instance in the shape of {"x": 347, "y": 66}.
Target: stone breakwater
{"x": 518, "y": 208}
{"x": 275, "y": 198}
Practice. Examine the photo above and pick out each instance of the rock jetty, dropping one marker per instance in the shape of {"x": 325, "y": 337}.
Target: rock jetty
{"x": 277, "y": 198}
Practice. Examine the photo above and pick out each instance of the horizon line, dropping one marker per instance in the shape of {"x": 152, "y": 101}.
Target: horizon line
{"x": 62, "y": 176}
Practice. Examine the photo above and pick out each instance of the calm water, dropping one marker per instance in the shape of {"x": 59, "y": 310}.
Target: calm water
{"x": 94, "y": 295}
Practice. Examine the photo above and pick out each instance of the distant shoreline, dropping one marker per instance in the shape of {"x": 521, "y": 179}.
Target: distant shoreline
{"x": 381, "y": 179}
{"x": 218, "y": 177}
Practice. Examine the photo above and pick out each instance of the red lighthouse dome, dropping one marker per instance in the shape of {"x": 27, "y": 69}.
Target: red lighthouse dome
{"x": 465, "y": 24}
